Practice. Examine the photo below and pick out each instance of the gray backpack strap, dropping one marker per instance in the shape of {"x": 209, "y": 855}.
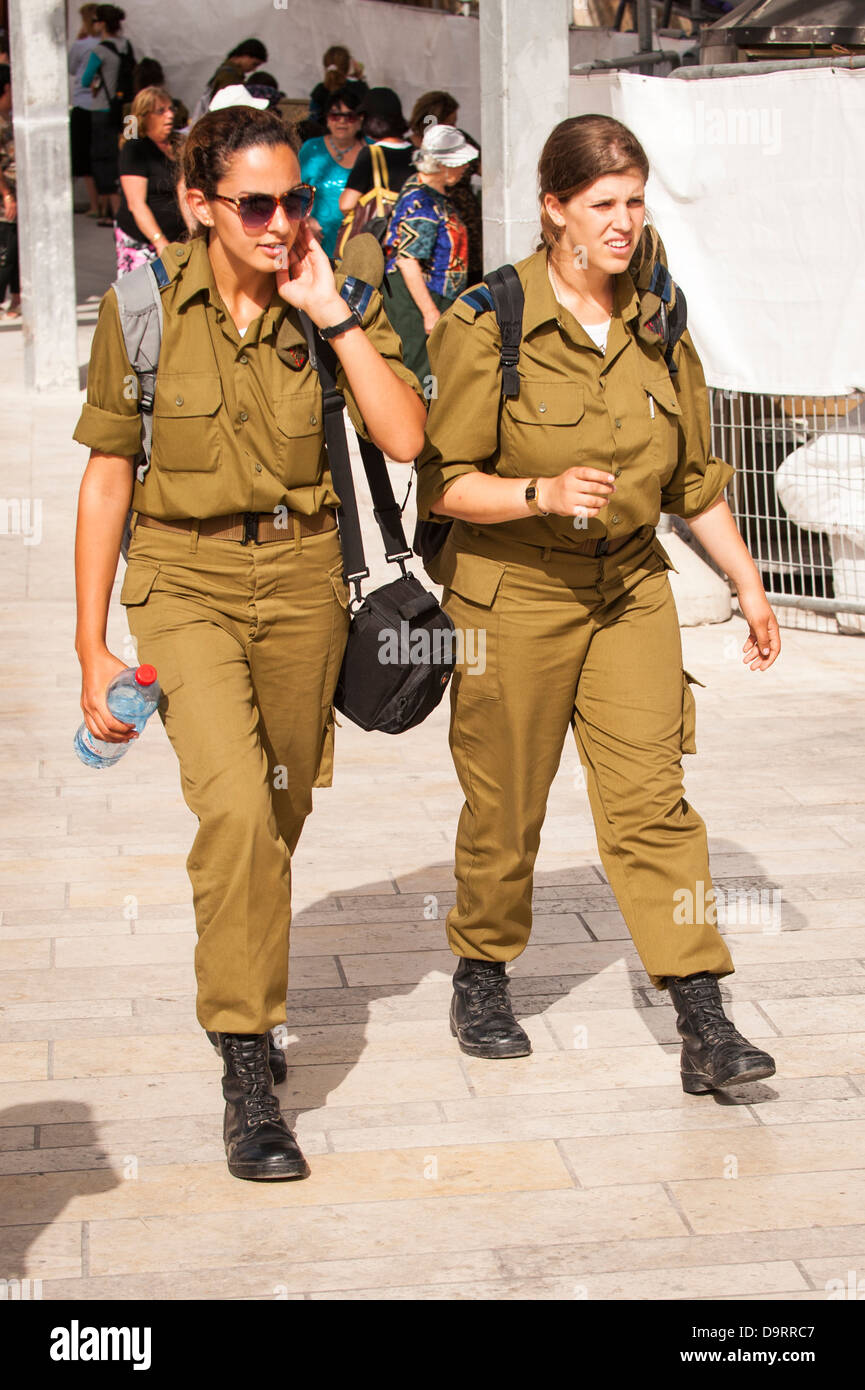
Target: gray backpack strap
{"x": 140, "y": 306}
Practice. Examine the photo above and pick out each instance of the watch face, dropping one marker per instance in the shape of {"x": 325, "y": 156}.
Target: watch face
{"x": 531, "y": 492}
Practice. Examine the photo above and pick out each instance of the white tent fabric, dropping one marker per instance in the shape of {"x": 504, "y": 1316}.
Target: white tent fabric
{"x": 757, "y": 189}
{"x": 410, "y": 50}
{"x": 822, "y": 485}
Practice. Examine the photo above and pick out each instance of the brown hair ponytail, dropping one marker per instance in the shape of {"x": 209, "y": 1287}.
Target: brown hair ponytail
{"x": 336, "y": 63}
{"x": 580, "y": 150}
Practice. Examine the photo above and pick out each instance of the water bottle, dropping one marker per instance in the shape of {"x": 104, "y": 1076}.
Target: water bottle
{"x": 132, "y": 696}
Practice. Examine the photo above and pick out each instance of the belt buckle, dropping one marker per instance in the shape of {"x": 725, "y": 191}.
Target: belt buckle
{"x": 250, "y": 527}
{"x": 603, "y": 547}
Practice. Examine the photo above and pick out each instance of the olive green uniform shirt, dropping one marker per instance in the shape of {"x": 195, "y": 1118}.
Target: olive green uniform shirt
{"x": 237, "y": 421}
{"x": 618, "y": 410}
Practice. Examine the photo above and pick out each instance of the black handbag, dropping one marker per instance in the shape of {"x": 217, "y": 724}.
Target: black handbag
{"x": 401, "y": 646}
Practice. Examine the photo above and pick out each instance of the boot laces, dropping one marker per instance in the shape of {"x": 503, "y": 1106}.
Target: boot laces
{"x": 489, "y": 988}
{"x": 711, "y": 1021}
{"x": 261, "y": 1108}
{"x": 250, "y": 1062}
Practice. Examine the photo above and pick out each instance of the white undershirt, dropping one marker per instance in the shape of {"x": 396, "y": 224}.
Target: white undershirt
{"x": 598, "y": 333}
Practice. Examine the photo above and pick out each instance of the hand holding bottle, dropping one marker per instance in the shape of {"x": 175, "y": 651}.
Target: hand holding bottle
{"x": 132, "y": 696}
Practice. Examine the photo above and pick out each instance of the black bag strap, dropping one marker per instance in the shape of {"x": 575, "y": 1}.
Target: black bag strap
{"x": 508, "y": 301}
{"x": 385, "y": 508}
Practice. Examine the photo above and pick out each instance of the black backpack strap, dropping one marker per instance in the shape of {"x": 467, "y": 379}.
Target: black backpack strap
{"x": 323, "y": 359}
{"x": 677, "y": 322}
{"x": 508, "y": 301}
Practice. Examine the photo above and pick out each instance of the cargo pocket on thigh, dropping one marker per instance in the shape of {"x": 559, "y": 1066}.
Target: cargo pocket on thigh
{"x": 153, "y": 647}
{"x": 471, "y": 586}
{"x": 137, "y": 583}
{"x": 324, "y": 771}
{"x": 689, "y": 713}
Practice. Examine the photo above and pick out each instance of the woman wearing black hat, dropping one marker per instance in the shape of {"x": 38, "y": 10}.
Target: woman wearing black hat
{"x": 384, "y": 125}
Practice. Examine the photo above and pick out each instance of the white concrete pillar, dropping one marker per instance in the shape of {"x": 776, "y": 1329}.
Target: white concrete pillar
{"x": 524, "y": 93}
{"x": 40, "y": 101}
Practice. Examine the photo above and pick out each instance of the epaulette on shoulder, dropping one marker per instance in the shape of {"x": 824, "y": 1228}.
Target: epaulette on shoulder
{"x": 479, "y": 298}
{"x": 357, "y": 293}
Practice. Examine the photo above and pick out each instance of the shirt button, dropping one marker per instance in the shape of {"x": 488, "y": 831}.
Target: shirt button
{"x": 243, "y": 358}
{"x": 542, "y": 407}
{"x": 615, "y": 520}
{"x": 313, "y": 419}
{"x": 243, "y": 417}
{"x": 178, "y": 400}
{"x": 618, "y": 424}
{"x": 258, "y": 468}
{"x": 618, "y": 471}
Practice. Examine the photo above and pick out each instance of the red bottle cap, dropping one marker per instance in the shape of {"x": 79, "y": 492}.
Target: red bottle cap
{"x": 145, "y": 675}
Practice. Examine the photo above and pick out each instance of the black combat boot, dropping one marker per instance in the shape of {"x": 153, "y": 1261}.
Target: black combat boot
{"x": 714, "y": 1054}
{"x": 258, "y": 1143}
{"x": 275, "y": 1055}
{"x": 482, "y": 1019}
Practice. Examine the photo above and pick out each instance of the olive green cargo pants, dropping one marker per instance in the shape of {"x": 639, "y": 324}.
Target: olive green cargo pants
{"x": 247, "y": 641}
{"x": 591, "y": 644}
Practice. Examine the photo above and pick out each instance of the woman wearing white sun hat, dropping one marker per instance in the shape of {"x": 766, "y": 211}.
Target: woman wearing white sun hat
{"x": 427, "y": 244}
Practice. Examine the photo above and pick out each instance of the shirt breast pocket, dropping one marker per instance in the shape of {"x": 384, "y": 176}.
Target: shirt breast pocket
{"x": 536, "y": 433}
{"x": 185, "y": 427}
{"x": 664, "y": 416}
{"x": 299, "y": 435}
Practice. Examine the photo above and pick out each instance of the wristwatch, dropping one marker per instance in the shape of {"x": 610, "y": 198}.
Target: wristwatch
{"x": 351, "y": 322}
{"x": 532, "y": 498}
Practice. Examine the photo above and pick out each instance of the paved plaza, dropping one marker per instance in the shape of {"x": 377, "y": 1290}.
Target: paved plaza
{"x": 582, "y": 1171}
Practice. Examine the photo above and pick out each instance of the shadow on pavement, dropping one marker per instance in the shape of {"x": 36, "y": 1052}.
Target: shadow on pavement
{"x": 42, "y": 1196}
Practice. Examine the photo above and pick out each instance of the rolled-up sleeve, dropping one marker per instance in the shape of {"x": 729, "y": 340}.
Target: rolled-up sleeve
{"x": 462, "y": 425}
{"x": 700, "y": 477}
{"x": 110, "y": 420}
{"x": 378, "y": 329}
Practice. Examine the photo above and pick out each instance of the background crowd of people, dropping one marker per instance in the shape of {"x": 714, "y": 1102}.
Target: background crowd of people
{"x": 411, "y": 180}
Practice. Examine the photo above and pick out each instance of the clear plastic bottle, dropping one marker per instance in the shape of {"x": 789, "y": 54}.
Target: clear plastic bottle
{"x": 132, "y": 696}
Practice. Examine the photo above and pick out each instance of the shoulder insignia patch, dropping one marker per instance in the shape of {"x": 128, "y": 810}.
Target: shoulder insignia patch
{"x": 478, "y": 298}
{"x": 357, "y": 294}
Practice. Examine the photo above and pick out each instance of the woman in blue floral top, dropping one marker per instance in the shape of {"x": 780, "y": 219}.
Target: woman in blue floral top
{"x": 427, "y": 244}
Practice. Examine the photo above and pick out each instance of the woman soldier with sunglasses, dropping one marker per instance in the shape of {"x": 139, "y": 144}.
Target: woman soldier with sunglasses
{"x": 234, "y": 585}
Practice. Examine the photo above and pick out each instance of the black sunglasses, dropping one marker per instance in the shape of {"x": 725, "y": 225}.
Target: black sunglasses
{"x": 255, "y": 210}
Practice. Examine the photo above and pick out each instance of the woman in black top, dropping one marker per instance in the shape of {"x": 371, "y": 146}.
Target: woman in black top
{"x": 385, "y": 125}
{"x": 149, "y": 216}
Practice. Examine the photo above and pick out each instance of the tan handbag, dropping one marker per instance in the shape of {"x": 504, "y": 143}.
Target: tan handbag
{"x": 372, "y": 212}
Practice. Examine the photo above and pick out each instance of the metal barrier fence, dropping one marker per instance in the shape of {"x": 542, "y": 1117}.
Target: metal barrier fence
{"x": 799, "y": 500}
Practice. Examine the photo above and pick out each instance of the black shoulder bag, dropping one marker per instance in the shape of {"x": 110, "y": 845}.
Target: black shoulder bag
{"x": 401, "y": 646}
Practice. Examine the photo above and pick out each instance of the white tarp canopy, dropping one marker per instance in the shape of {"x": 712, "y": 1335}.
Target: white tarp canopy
{"x": 757, "y": 189}
{"x": 410, "y": 50}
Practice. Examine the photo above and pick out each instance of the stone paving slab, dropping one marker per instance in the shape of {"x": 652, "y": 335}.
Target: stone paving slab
{"x": 580, "y": 1172}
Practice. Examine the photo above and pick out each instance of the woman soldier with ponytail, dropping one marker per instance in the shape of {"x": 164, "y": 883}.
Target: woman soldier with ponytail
{"x": 234, "y": 587}
{"x": 555, "y": 493}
